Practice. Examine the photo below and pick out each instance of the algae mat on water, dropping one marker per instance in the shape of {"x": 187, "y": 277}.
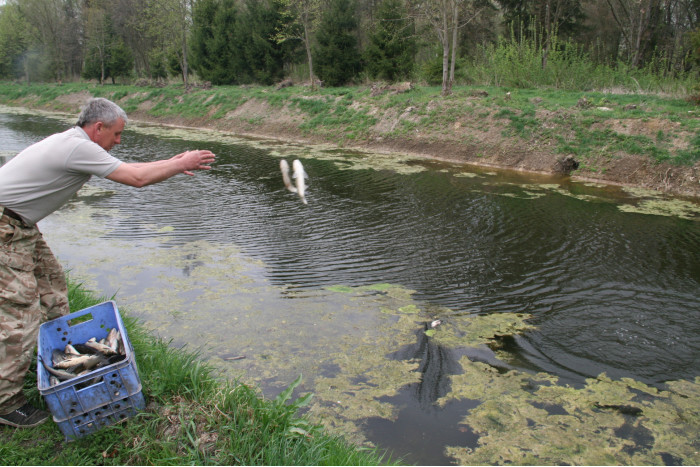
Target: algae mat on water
{"x": 521, "y": 418}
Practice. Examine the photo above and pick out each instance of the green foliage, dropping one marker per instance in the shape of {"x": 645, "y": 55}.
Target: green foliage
{"x": 432, "y": 71}
{"x": 520, "y": 63}
{"x": 157, "y": 64}
{"x": 390, "y": 54}
{"x": 234, "y": 45}
{"x": 336, "y": 55}
{"x": 262, "y": 54}
{"x": 121, "y": 62}
{"x": 118, "y": 61}
{"x": 213, "y": 27}
{"x": 13, "y": 41}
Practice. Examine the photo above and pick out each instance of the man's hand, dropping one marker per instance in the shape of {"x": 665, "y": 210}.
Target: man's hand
{"x": 195, "y": 160}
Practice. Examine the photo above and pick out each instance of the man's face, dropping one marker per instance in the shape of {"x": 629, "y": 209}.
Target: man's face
{"x": 108, "y": 136}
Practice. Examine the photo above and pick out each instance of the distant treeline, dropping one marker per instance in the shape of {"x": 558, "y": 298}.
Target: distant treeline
{"x": 584, "y": 44}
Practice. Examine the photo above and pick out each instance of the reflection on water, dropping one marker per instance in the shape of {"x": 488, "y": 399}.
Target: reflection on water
{"x": 230, "y": 260}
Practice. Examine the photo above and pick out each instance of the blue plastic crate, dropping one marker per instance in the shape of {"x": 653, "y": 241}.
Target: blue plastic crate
{"x": 82, "y": 395}
{"x": 91, "y": 421}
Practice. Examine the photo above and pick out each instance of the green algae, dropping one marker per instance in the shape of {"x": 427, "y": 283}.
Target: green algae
{"x": 476, "y": 330}
{"x": 631, "y": 200}
{"x": 410, "y": 309}
{"x": 644, "y": 201}
{"x": 528, "y": 419}
{"x": 665, "y": 207}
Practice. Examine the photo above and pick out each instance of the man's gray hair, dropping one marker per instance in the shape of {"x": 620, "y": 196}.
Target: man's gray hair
{"x": 99, "y": 109}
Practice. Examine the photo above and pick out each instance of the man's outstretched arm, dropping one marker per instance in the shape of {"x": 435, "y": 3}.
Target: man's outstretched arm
{"x": 147, "y": 173}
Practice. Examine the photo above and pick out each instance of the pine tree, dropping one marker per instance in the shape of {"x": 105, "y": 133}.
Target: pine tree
{"x": 262, "y": 54}
{"x": 213, "y": 30}
{"x": 336, "y": 57}
{"x": 392, "y": 45}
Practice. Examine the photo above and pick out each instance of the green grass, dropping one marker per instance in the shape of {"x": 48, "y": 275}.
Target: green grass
{"x": 192, "y": 417}
{"x": 347, "y": 114}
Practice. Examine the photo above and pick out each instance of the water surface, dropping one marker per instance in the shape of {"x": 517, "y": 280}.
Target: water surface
{"x": 343, "y": 289}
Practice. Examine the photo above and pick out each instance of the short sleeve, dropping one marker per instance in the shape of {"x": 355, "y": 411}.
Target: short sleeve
{"x": 90, "y": 158}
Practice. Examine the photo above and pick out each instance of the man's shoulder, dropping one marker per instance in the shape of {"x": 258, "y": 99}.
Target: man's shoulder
{"x": 76, "y": 133}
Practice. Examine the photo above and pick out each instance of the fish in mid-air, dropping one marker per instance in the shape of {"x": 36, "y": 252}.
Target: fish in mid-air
{"x": 299, "y": 174}
{"x": 284, "y": 167}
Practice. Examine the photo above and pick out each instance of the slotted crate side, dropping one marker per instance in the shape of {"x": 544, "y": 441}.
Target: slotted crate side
{"x": 109, "y": 414}
{"x": 118, "y": 380}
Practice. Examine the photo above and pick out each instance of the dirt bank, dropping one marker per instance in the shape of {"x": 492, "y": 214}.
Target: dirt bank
{"x": 478, "y": 141}
{"x": 478, "y": 138}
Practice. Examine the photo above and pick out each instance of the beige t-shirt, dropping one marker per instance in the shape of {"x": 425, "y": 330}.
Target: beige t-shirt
{"x": 40, "y": 179}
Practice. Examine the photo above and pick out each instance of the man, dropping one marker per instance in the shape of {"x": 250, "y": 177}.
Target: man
{"x": 33, "y": 184}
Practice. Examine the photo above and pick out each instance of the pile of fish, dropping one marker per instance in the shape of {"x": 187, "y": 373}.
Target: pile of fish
{"x": 78, "y": 359}
{"x": 299, "y": 175}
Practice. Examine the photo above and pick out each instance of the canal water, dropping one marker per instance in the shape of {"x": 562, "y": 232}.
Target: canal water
{"x": 397, "y": 280}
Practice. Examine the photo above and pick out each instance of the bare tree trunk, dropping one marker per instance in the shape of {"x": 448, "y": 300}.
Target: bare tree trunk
{"x": 444, "y": 37}
{"x": 307, "y": 45}
{"x": 640, "y": 28}
{"x": 26, "y": 68}
{"x": 455, "y": 30}
{"x": 184, "y": 64}
{"x": 548, "y": 29}
{"x": 102, "y": 66}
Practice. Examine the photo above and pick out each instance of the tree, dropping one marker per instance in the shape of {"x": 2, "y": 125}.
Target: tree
{"x": 213, "y": 27}
{"x": 55, "y": 27}
{"x": 168, "y": 24}
{"x": 336, "y": 55}
{"x": 298, "y": 21}
{"x": 447, "y": 17}
{"x": 637, "y": 22}
{"x": 97, "y": 40}
{"x": 390, "y": 54}
{"x": 235, "y": 44}
{"x": 262, "y": 55}
{"x": 14, "y": 41}
{"x": 121, "y": 61}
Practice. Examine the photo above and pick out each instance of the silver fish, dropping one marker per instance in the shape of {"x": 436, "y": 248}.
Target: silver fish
{"x": 284, "y": 167}
{"x": 300, "y": 175}
{"x": 62, "y": 375}
{"x": 112, "y": 339}
{"x": 57, "y": 357}
{"x": 70, "y": 350}
{"x": 86, "y": 361}
{"x": 102, "y": 348}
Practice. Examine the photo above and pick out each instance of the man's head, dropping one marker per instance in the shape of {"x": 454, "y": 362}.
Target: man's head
{"x": 103, "y": 121}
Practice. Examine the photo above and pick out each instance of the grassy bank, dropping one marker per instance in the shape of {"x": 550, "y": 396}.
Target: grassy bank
{"x": 192, "y": 417}
{"x": 646, "y": 140}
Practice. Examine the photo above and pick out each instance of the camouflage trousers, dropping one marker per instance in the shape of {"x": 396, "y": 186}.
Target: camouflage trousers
{"x": 32, "y": 290}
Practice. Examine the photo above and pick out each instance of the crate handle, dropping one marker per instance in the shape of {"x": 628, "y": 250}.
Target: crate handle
{"x": 80, "y": 319}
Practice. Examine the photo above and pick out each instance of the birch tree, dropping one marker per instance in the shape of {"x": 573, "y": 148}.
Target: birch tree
{"x": 447, "y": 17}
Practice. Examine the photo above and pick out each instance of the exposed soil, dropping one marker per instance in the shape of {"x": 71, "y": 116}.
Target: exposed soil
{"x": 472, "y": 140}
{"x": 463, "y": 143}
